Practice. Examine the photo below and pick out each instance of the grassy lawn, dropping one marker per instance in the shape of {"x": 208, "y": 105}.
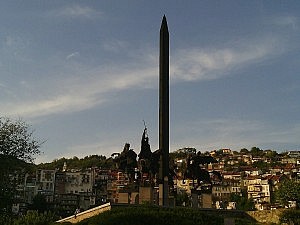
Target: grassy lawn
{"x": 149, "y": 215}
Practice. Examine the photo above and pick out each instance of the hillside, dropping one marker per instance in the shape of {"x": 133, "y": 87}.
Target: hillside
{"x": 149, "y": 215}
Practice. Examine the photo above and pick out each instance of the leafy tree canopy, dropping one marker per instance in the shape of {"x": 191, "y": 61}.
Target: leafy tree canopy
{"x": 16, "y": 140}
{"x": 244, "y": 151}
{"x": 242, "y": 202}
{"x": 99, "y": 161}
{"x": 289, "y": 190}
{"x": 17, "y": 150}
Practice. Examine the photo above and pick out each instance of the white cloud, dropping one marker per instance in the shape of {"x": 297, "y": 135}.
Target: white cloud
{"x": 89, "y": 87}
{"x": 84, "y": 90}
{"x": 206, "y": 64}
{"x": 73, "y": 55}
{"x": 114, "y": 45}
{"x": 14, "y": 45}
{"x": 286, "y": 21}
{"x": 76, "y": 11}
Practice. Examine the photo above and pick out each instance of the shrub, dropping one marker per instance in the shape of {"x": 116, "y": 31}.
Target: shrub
{"x": 289, "y": 216}
{"x": 149, "y": 215}
{"x": 31, "y": 218}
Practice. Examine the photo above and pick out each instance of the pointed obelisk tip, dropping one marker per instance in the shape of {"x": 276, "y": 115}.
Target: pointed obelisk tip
{"x": 164, "y": 24}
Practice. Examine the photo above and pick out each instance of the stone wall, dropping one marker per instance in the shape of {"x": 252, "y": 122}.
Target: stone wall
{"x": 266, "y": 216}
{"x": 86, "y": 214}
{"x": 146, "y": 195}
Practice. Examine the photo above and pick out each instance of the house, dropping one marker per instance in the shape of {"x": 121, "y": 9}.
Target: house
{"x": 231, "y": 175}
{"x": 223, "y": 191}
{"x": 289, "y": 160}
{"x": 275, "y": 180}
{"x": 293, "y": 154}
{"x": 45, "y": 182}
{"x": 258, "y": 189}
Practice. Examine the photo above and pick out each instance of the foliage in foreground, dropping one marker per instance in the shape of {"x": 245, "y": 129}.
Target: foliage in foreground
{"x": 18, "y": 146}
{"x": 148, "y": 215}
{"x": 31, "y": 218}
{"x": 290, "y": 217}
{"x": 289, "y": 190}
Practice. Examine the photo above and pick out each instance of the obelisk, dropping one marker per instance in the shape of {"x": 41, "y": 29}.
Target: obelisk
{"x": 164, "y": 113}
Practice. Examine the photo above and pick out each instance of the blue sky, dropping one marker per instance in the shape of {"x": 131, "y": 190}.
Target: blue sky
{"x": 84, "y": 74}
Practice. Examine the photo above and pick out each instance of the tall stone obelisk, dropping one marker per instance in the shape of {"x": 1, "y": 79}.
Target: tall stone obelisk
{"x": 164, "y": 113}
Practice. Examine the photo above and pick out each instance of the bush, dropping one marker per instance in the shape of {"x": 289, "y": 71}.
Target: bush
{"x": 289, "y": 216}
{"x": 31, "y": 218}
{"x": 147, "y": 215}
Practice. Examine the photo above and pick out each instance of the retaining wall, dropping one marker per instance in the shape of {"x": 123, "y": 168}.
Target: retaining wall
{"x": 266, "y": 216}
{"x": 86, "y": 214}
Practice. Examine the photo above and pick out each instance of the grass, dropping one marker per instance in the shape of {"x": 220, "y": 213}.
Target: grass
{"x": 152, "y": 215}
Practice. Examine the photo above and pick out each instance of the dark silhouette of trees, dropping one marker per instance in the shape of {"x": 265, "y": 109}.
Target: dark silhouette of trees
{"x": 17, "y": 140}
{"x": 289, "y": 190}
{"x": 12, "y": 171}
{"x": 244, "y": 151}
{"x": 17, "y": 150}
{"x": 255, "y": 151}
{"x": 242, "y": 201}
{"x": 90, "y": 161}
{"x": 40, "y": 203}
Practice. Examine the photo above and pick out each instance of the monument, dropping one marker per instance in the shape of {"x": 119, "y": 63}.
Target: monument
{"x": 164, "y": 113}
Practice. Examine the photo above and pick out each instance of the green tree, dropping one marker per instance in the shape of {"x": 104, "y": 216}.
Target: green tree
{"x": 289, "y": 190}
{"x": 255, "y": 151}
{"x": 182, "y": 199}
{"x": 261, "y": 165}
{"x": 99, "y": 161}
{"x": 39, "y": 203}
{"x": 290, "y": 217}
{"x": 244, "y": 151}
{"x": 17, "y": 150}
{"x": 242, "y": 202}
{"x": 16, "y": 140}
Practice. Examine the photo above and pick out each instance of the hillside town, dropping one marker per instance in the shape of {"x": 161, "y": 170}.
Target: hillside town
{"x": 217, "y": 179}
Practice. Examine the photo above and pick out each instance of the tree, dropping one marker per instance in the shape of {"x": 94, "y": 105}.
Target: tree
{"x": 17, "y": 150}
{"x": 289, "y": 190}
{"x": 182, "y": 199}
{"x": 255, "y": 151}
{"x": 10, "y": 176}
{"x": 242, "y": 202}
{"x": 16, "y": 140}
{"x": 39, "y": 203}
{"x": 244, "y": 151}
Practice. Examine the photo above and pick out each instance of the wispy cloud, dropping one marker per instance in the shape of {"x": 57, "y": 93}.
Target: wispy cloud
{"x": 76, "y": 11}
{"x": 206, "y": 64}
{"x": 114, "y": 45}
{"x": 90, "y": 87}
{"x": 84, "y": 90}
{"x": 14, "y": 46}
{"x": 288, "y": 21}
{"x": 73, "y": 55}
